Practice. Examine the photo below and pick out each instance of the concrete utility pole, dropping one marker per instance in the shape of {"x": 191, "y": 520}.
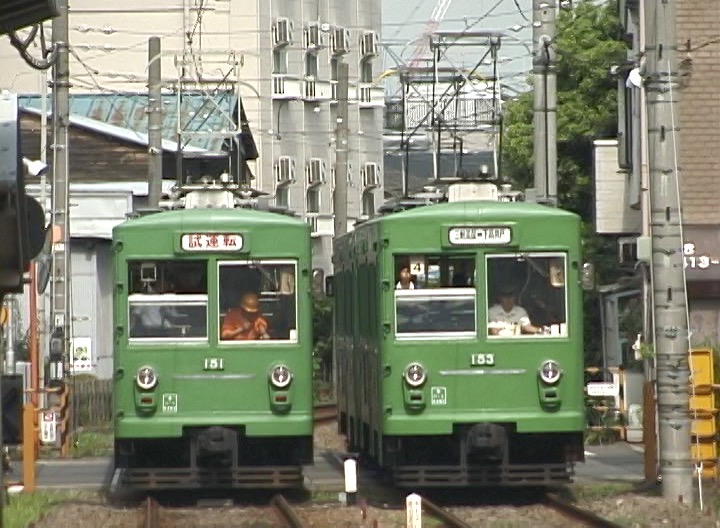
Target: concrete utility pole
{"x": 60, "y": 300}
{"x": 670, "y": 299}
{"x": 545, "y": 91}
{"x": 155, "y": 121}
{"x": 341, "y": 152}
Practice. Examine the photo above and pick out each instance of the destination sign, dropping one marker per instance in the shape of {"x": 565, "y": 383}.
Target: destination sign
{"x": 211, "y": 242}
{"x": 467, "y": 236}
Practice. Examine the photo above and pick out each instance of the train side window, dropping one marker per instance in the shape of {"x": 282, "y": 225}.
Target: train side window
{"x": 527, "y": 295}
{"x": 434, "y": 271}
{"x": 258, "y": 301}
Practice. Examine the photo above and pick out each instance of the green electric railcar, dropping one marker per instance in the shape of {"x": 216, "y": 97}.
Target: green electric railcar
{"x": 199, "y": 404}
{"x": 434, "y": 383}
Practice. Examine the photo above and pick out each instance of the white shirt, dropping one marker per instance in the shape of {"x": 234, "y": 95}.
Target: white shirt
{"x": 508, "y": 323}
{"x": 399, "y": 286}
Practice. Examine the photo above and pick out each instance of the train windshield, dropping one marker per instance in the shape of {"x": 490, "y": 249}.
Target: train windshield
{"x": 527, "y": 295}
{"x": 258, "y": 301}
{"x": 168, "y": 300}
{"x": 435, "y": 296}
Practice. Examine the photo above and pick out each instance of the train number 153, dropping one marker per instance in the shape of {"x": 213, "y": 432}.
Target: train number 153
{"x": 213, "y": 364}
{"x": 480, "y": 360}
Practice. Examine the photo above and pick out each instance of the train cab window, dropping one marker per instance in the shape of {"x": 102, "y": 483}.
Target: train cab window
{"x": 435, "y": 296}
{"x": 527, "y": 295}
{"x": 258, "y": 301}
{"x": 167, "y": 300}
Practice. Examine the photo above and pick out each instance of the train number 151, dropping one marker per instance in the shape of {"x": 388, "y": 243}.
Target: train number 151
{"x": 213, "y": 364}
{"x": 480, "y": 360}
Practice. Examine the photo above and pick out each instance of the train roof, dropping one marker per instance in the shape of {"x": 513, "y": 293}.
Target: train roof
{"x": 210, "y": 219}
{"x": 476, "y": 210}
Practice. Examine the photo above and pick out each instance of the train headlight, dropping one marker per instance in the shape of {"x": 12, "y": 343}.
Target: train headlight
{"x": 415, "y": 375}
{"x": 146, "y": 378}
{"x": 280, "y": 376}
{"x": 550, "y": 372}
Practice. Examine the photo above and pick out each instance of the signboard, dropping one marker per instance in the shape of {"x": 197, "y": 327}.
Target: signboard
{"x": 48, "y": 427}
{"x": 601, "y": 388}
{"x": 211, "y": 242}
{"x": 81, "y": 355}
{"x": 483, "y": 236}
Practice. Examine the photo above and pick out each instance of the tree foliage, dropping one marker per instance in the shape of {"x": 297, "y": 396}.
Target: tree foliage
{"x": 587, "y": 45}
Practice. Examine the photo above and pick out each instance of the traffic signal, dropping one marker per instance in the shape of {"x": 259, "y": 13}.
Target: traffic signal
{"x": 17, "y": 14}
{"x": 12, "y": 409}
{"x": 22, "y": 220}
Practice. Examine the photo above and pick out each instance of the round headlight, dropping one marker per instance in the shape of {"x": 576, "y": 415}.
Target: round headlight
{"x": 146, "y": 378}
{"x": 550, "y": 372}
{"x": 415, "y": 375}
{"x": 280, "y": 376}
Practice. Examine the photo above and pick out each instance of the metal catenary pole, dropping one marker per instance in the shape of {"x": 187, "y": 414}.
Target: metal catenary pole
{"x": 341, "y": 152}
{"x": 545, "y": 101}
{"x": 155, "y": 119}
{"x": 60, "y": 303}
{"x": 670, "y": 299}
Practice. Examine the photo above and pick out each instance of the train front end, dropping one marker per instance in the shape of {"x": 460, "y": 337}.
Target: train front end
{"x": 213, "y": 362}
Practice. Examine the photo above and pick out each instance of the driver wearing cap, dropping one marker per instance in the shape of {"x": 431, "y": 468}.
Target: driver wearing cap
{"x": 507, "y": 318}
{"x": 245, "y": 322}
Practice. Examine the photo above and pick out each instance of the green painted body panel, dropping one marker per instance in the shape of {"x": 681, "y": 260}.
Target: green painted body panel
{"x": 371, "y": 360}
{"x": 240, "y": 394}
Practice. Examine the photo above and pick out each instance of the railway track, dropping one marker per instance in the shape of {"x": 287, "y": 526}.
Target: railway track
{"x": 150, "y": 514}
{"x": 286, "y": 513}
{"x": 325, "y": 412}
{"x": 571, "y": 511}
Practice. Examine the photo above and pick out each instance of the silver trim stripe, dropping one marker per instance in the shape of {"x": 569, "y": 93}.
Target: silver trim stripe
{"x": 483, "y": 372}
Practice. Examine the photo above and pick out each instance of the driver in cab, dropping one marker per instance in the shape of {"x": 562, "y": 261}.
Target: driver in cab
{"x": 245, "y": 322}
{"x": 507, "y": 318}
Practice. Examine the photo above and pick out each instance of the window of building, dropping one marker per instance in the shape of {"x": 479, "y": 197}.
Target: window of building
{"x": 311, "y": 65}
{"x": 312, "y": 200}
{"x": 368, "y": 203}
{"x": 366, "y": 71}
{"x": 258, "y": 301}
{"x": 334, "y": 69}
{"x": 527, "y": 295}
{"x": 282, "y": 196}
{"x": 280, "y": 62}
{"x": 167, "y": 300}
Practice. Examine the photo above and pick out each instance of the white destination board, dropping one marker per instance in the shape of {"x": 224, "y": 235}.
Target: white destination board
{"x": 601, "y": 388}
{"x": 471, "y": 235}
{"x": 212, "y": 242}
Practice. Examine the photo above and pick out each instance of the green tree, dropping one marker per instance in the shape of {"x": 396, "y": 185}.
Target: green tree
{"x": 587, "y": 44}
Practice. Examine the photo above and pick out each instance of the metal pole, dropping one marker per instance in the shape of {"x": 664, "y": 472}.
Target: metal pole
{"x": 341, "y": 152}
{"x": 154, "y": 123}
{"x": 545, "y": 101}
{"x": 669, "y": 295}
{"x": 61, "y": 184}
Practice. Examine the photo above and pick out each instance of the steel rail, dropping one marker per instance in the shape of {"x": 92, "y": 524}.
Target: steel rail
{"x": 286, "y": 512}
{"x": 577, "y": 514}
{"x": 443, "y": 515}
{"x": 151, "y": 514}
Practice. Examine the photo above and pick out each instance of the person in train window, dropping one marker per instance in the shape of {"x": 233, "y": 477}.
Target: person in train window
{"x": 245, "y": 322}
{"x": 405, "y": 282}
{"x": 507, "y": 318}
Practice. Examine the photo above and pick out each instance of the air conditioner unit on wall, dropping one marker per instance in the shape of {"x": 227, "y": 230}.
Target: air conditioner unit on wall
{"x": 340, "y": 41}
{"x": 369, "y": 44}
{"x": 315, "y": 171}
{"x": 370, "y": 175}
{"x": 314, "y": 37}
{"x": 285, "y": 170}
{"x": 282, "y": 32}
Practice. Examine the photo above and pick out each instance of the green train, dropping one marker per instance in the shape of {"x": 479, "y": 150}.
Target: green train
{"x": 212, "y": 347}
{"x": 459, "y": 340}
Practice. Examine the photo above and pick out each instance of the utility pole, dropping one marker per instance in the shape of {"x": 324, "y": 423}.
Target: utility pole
{"x": 545, "y": 102}
{"x": 669, "y": 295}
{"x": 60, "y": 300}
{"x": 155, "y": 119}
{"x": 341, "y": 152}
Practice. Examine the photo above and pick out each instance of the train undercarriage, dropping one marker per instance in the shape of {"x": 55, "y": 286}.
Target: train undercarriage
{"x": 483, "y": 454}
{"x": 211, "y": 458}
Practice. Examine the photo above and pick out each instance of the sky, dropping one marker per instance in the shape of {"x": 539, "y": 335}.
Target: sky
{"x": 404, "y": 21}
